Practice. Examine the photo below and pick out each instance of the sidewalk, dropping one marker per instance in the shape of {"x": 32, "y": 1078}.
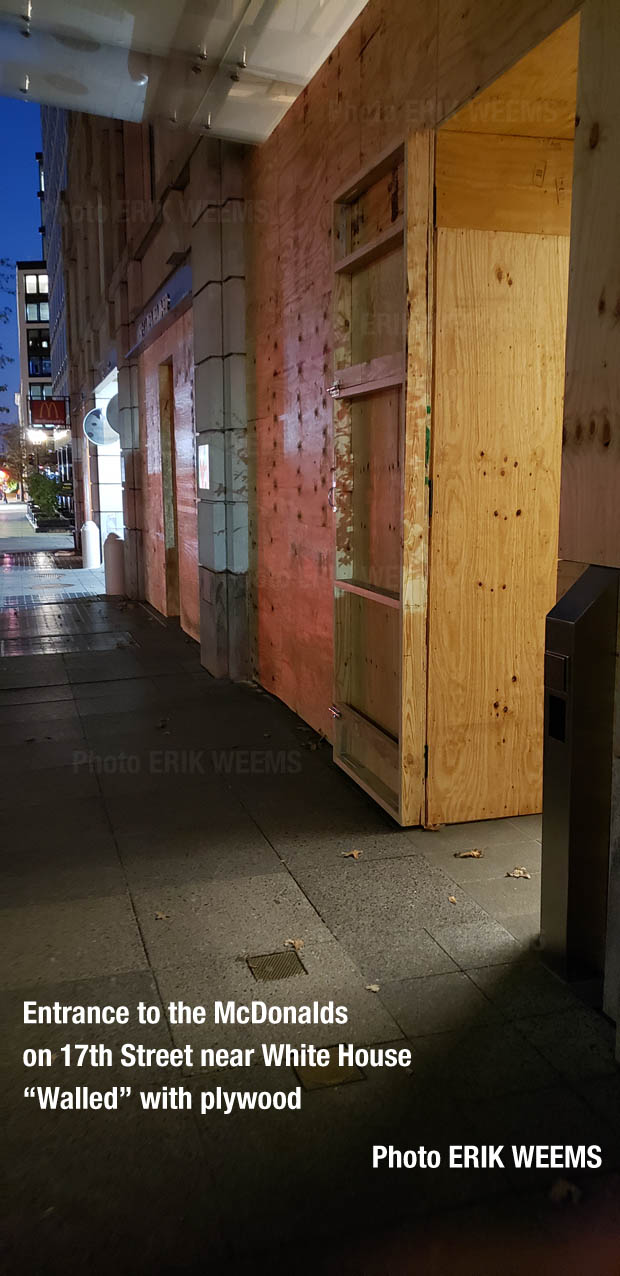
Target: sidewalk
{"x": 29, "y": 572}
{"x": 162, "y": 829}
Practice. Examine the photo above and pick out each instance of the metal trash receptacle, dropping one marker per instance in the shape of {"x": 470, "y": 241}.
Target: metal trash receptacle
{"x": 580, "y": 664}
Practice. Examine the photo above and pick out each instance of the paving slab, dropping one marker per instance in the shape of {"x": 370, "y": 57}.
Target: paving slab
{"x": 75, "y": 939}
{"x": 224, "y": 916}
{"x": 437, "y": 1003}
{"x": 471, "y": 943}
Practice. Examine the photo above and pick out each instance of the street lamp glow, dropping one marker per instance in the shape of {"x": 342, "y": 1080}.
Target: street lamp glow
{"x": 37, "y": 437}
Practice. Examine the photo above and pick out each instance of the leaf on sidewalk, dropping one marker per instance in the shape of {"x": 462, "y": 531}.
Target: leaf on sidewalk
{"x": 162, "y": 917}
{"x": 563, "y": 1191}
{"x": 297, "y": 944}
{"x": 352, "y": 855}
{"x": 468, "y": 855}
{"x": 452, "y": 899}
{"x": 519, "y": 872}
{"x": 372, "y": 987}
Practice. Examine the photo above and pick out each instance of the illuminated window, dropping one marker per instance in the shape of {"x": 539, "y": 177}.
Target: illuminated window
{"x": 31, "y": 283}
{"x": 43, "y": 284}
{"x": 32, "y": 312}
{"x": 44, "y": 310}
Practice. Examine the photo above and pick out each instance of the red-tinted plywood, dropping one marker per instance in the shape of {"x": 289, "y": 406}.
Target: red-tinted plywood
{"x": 175, "y": 344}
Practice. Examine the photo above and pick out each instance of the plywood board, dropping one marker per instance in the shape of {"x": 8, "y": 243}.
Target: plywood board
{"x": 401, "y": 66}
{"x": 535, "y": 98}
{"x": 590, "y": 506}
{"x": 420, "y": 182}
{"x": 504, "y": 183}
{"x": 367, "y": 675}
{"x": 499, "y": 369}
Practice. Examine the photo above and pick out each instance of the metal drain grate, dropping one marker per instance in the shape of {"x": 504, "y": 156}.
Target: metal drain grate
{"x": 284, "y": 965}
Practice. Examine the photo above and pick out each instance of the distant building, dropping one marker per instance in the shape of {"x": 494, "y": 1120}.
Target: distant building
{"x": 43, "y": 354}
{"x": 33, "y": 318}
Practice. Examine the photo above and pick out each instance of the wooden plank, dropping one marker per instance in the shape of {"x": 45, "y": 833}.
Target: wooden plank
{"x": 369, "y": 175}
{"x": 590, "y": 505}
{"x": 535, "y": 98}
{"x": 376, "y": 247}
{"x": 369, "y": 755}
{"x": 367, "y": 662}
{"x": 420, "y": 183}
{"x": 499, "y": 376}
{"x": 388, "y": 369}
{"x": 375, "y": 595}
{"x": 504, "y": 183}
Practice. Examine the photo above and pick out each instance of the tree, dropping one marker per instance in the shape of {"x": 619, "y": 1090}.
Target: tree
{"x": 12, "y": 454}
{"x": 6, "y": 290}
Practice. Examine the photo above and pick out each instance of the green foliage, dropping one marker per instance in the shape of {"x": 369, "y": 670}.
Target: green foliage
{"x": 44, "y": 492}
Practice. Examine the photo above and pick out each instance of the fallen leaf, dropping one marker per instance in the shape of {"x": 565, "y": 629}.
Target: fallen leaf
{"x": 519, "y": 872}
{"x": 294, "y": 943}
{"x": 563, "y": 1191}
{"x": 433, "y": 828}
{"x": 468, "y": 855}
{"x": 352, "y": 855}
{"x": 452, "y": 899}
{"x": 372, "y": 987}
{"x": 162, "y": 917}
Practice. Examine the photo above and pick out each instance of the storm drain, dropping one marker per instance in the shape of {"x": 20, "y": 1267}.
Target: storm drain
{"x": 283, "y": 965}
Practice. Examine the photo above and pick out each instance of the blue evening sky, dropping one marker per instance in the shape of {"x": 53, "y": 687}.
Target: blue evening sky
{"x": 20, "y": 216}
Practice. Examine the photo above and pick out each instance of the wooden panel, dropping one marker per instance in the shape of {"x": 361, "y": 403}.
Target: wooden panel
{"x": 501, "y": 314}
{"x": 369, "y": 756}
{"x": 479, "y": 41}
{"x": 535, "y": 98}
{"x": 368, "y": 493}
{"x": 420, "y": 181}
{"x": 361, "y": 102}
{"x": 378, "y": 308}
{"x": 175, "y": 344}
{"x": 590, "y": 507}
{"x": 367, "y": 675}
{"x": 504, "y": 183}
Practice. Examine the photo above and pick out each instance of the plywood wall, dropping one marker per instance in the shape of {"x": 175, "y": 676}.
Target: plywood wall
{"x": 401, "y": 66}
{"x": 499, "y": 380}
{"x": 176, "y": 345}
{"x": 590, "y": 504}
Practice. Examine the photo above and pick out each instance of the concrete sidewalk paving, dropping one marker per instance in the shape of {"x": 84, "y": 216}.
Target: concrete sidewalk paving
{"x": 165, "y": 827}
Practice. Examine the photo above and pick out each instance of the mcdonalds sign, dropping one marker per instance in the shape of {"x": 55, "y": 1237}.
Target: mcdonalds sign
{"x": 48, "y": 412}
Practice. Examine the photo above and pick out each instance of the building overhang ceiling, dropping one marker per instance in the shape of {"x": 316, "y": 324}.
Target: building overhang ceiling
{"x": 232, "y": 67}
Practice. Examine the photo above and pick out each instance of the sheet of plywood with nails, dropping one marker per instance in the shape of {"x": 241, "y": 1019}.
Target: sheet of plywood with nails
{"x": 499, "y": 378}
{"x": 590, "y": 506}
{"x": 400, "y": 66}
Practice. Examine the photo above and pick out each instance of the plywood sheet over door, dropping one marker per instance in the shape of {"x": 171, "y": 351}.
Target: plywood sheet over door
{"x": 497, "y": 434}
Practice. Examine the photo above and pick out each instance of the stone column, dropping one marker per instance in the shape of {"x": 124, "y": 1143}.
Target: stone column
{"x": 218, "y": 275}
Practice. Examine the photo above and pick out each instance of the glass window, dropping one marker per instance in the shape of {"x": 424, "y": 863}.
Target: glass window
{"x": 31, "y": 283}
{"x": 43, "y": 284}
{"x": 47, "y": 392}
{"x": 35, "y": 392}
{"x": 44, "y": 310}
{"x": 46, "y": 367}
{"x": 34, "y": 368}
{"x": 32, "y": 312}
